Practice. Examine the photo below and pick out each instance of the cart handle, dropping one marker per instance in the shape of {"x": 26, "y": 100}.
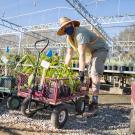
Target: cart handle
{"x": 42, "y": 41}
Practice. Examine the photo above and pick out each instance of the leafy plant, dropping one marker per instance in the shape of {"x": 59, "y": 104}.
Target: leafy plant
{"x": 62, "y": 71}
{"x": 58, "y": 69}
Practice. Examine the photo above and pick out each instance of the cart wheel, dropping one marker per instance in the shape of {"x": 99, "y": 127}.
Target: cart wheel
{"x": 24, "y": 107}
{"x": 59, "y": 116}
{"x": 80, "y": 105}
{"x": 132, "y": 121}
{"x": 13, "y": 102}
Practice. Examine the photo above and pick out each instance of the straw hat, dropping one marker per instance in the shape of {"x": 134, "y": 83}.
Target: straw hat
{"x": 64, "y": 21}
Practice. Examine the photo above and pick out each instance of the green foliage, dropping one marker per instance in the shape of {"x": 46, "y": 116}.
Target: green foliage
{"x": 112, "y": 61}
{"x": 12, "y": 62}
{"x": 124, "y": 61}
{"x": 58, "y": 69}
{"x": 62, "y": 71}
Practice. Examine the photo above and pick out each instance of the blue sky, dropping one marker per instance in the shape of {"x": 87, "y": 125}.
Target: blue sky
{"x": 12, "y": 8}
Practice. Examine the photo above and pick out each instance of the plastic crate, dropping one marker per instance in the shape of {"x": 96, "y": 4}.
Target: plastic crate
{"x": 8, "y": 82}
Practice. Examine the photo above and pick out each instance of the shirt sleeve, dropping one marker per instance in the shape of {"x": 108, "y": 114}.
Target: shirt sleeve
{"x": 82, "y": 39}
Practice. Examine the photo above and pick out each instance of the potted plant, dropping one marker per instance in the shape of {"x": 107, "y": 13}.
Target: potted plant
{"x": 122, "y": 66}
{"x": 127, "y": 65}
{"x": 75, "y": 62}
{"x": 112, "y": 64}
{"x": 106, "y": 64}
{"x": 131, "y": 66}
{"x": 115, "y": 64}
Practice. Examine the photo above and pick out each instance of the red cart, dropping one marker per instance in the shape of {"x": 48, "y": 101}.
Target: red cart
{"x": 52, "y": 95}
{"x": 132, "y": 114}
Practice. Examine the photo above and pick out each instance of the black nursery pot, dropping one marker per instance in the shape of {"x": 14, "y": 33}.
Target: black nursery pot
{"x": 105, "y": 67}
{"x": 115, "y": 67}
{"x": 77, "y": 64}
{"x": 131, "y": 68}
{"x": 123, "y": 68}
{"x": 109, "y": 67}
{"x": 127, "y": 68}
{"x": 74, "y": 65}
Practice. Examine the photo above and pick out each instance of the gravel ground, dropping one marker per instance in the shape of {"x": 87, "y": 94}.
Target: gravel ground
{"x": 110, "y": 120}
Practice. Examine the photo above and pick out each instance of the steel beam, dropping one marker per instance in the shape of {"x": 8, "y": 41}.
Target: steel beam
{"x": 21, "y": 29}
{"x": 89, "y": 18}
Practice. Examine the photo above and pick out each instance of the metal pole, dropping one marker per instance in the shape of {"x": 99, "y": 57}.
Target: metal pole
{"x": 6, "y": 69}
{"x": 20, "y": 39}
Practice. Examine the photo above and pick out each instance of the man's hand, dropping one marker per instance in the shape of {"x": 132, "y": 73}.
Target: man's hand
{"x": 81, "y": 76}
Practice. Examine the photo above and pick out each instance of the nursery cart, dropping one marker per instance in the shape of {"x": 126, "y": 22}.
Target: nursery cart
{"x": 52, "y": 95}
{"x": 132, "y": 114}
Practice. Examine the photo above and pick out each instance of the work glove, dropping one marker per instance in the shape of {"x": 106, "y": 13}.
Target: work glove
{"x": 81, "y": 76}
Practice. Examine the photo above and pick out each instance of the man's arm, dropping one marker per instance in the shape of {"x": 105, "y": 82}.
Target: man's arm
{"x": 81, "y": 50}
{"x": 68, "y": 56}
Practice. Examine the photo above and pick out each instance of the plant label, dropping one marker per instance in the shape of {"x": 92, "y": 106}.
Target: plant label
{"x": 45, "y": 64}
{"x": 4, "y": 59}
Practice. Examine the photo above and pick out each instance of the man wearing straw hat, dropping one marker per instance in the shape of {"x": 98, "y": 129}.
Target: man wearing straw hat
{"x": 90, "y": 47}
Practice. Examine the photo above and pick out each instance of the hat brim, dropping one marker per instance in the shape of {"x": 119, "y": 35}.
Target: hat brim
{"x": 61, "y": 30}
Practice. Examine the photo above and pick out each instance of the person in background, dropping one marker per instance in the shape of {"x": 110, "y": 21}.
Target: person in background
{"x": 91, "y": 49}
